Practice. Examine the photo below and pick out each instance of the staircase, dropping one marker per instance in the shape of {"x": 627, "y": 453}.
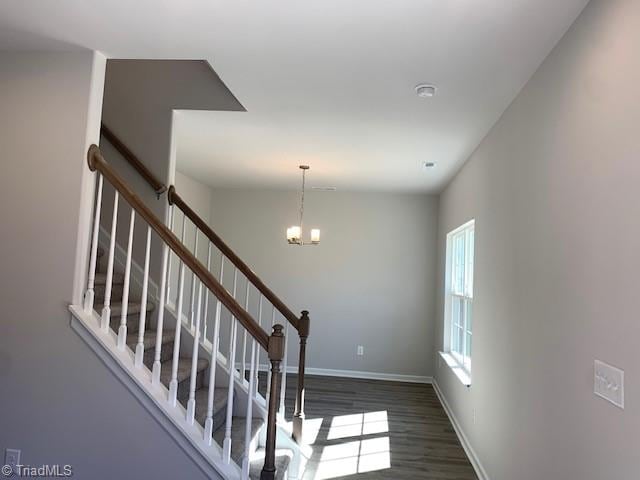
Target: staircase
{"x": 221, "y": 395}
{"x": 212, "y": 396}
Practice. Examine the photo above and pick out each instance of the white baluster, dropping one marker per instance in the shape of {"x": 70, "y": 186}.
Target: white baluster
{"x": 183, "y": 236}
{"x": 155, "y": 377}
{"x": 206, "y": 297}
{"x": 122, "y": 331}
{"x": 191, "y": 403}
{"x": 244, "y": 340}
{"x": 273, "y": 322}
{"x": 171, "y": 219}
{"x": 106, "y": 309}
{"x": 192, "y": 310}
{"x": 283, "y": 386}
{"x": 244, "y": 355}
{"x": 90, "y": 293}
{"x": 208, "y": 423}
{"x": 258, "y": 353}
{"x": 143, "y": 311}
{"x": 231, "y": 361}
{"x": 233, "y": 319}
{"x": 252, "y": 389}
{"x": 173, "y": 384}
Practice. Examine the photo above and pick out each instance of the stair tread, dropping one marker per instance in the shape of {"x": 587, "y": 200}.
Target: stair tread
{"x": 149, "y": 338}
{"x": 283, "y": 458}
{"x": 237, "y": 435}
{"x": 132, "y": 308}
{"x": 184, "y": 369}
{"x": 101, "y": 279}
{"x": 219, "y": 403}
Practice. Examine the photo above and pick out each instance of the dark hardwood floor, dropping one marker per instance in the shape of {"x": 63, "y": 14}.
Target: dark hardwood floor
{"x": 366, "y": 429}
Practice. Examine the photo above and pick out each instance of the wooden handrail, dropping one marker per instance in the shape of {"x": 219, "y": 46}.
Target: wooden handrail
{"x": 175, "y": 199}
{"x": 97, "y": 162}
{"x": 133, "y": 160}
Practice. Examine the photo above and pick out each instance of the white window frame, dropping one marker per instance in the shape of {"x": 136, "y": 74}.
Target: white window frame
{"x": 459, "y": 359}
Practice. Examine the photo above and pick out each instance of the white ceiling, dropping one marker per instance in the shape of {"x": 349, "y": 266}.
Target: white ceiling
{"x": 326, "y": 83}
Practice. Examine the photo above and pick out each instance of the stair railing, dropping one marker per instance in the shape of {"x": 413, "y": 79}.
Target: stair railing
{"x": 273, "y": 344}
{"x": 301, "y": 324}
{"x": 128, "y": 155}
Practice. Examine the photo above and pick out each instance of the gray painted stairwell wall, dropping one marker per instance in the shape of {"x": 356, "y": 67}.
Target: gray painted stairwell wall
{"x": 59, "y": 403}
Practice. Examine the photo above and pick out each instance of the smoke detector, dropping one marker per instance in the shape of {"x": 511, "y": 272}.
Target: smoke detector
{"x": 426, "y": 90}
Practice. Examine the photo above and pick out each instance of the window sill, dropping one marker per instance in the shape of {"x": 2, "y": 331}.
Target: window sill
{"x": 460, "y": 372}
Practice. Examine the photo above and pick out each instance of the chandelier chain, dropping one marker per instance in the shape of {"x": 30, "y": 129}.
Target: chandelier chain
{"x": 304, "y": 171}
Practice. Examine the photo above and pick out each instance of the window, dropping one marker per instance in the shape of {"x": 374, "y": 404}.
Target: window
{"x": 459, "y": 295}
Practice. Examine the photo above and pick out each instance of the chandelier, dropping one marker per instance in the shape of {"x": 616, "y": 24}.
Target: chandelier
{"x": 294, "y": 233}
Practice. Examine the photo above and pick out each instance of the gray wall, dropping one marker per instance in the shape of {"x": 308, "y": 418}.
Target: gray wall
{"x": 370, "y": 282}
{"x": 59, "y": 403}
{"x": 196, "y": 194}
{"x": 140, "y": 99}
{"x": 554, "y": 191}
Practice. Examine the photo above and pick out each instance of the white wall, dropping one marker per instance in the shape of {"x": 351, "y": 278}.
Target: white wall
{"x": 60, "y": 404}
{"x": 370, "y": 282}
{"x": 554, "y": 191}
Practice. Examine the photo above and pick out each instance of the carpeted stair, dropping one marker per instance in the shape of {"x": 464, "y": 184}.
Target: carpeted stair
{"x": 184, "y": 372}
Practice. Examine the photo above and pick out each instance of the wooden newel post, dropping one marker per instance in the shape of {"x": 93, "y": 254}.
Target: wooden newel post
{"x": 276, "y": 353}
{"x": 298, "y": 416}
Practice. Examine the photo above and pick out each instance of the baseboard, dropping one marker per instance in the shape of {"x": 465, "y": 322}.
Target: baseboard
{"x": 389, "y": 377}
{"x": 473, "y": 457}
{"x": 327, "y": 372}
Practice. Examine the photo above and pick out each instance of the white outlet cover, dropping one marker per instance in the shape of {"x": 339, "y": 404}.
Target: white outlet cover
{"x": 608, "y": 383}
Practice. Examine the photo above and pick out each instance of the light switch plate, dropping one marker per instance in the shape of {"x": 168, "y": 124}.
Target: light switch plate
{"x": 608, "y": 383}
{"x": 12, "y": 458}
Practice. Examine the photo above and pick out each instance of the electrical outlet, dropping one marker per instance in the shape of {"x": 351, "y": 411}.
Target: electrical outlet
{"x": 608, "y": 383}
{"x": 12, "y": 458}
{"x": 360, "y": 350}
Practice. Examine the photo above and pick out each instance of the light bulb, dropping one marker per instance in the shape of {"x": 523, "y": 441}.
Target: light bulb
{"x": 293, "y": 234}
{"x": 315, "y": 235}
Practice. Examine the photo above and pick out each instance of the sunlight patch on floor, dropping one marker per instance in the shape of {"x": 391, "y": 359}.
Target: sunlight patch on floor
{"x": 354, "y": 457}
{"x": 358, "y": 424}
